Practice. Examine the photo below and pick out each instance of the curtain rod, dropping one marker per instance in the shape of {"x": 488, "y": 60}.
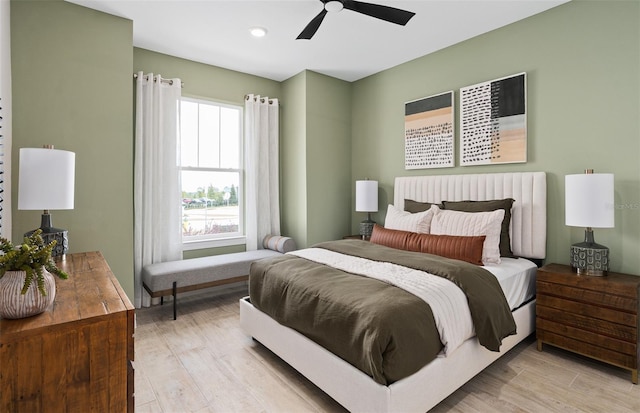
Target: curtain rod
{"x": 247, "y": 97}
{"x": 169, "y": 81}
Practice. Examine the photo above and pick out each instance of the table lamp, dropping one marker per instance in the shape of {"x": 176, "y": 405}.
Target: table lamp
{"x": 589, "y": 203}
{"x": 46, "y": 182}
{"x": 366, "y": 201}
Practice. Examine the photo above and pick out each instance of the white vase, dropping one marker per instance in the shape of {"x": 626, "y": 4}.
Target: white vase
{"x": 13, "y": 304}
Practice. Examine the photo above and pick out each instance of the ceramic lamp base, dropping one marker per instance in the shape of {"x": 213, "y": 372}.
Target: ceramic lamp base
{"x": 49, "y": 233}
{"x": 589, "y": 258}
{"x": 366, "y": 228}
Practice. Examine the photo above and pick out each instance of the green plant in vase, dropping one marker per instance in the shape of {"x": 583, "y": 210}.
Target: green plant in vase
{"x": 31, "y": 257}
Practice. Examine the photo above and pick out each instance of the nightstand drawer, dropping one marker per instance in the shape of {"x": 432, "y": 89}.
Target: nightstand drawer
{"x": 590, "y": 350}
{"x": 588, "y": 311}
{"x": 585, "y": 328}
{"x": 620, "y": 341}
{"x": 600, "y": 298}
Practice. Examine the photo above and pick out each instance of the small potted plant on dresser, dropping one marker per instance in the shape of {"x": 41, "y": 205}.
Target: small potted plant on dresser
{"x": 27, "y": 286}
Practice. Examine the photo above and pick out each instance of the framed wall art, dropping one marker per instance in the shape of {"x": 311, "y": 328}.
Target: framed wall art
{"x": 429, "y": 132}
{"x": 493, "y": 121}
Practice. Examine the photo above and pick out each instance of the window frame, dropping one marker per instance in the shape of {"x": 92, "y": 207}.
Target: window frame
{"x": 196, "y": 242}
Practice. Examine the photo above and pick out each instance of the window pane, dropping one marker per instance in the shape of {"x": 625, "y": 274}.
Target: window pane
{"x": 189, "y": 133}
{"x": 211, "y": 144}
{"x": 210, "y": 203}
{"x": 209, "y": 136}
{"x": 230, "y": 132}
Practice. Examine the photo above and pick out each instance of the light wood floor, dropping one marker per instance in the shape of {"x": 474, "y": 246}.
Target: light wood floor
{"x": 203, "y": 362}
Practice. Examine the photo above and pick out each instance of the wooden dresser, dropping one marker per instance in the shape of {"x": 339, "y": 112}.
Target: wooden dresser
{"x": 77, "y": 356}
{"x": 593, "y": 316}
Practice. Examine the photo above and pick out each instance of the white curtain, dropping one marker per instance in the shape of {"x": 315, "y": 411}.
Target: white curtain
{"x": 262, "y": 164}
{"x": 157, "y": 234}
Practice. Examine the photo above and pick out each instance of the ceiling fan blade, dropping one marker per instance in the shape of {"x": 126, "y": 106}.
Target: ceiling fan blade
{"x": 313, "y": 26}
{"x": 390, "y": 14}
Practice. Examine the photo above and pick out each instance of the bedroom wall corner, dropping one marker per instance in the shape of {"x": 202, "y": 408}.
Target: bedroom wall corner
{"x": 293, "y": 183}
{"x": 328, "y": 157}
{"x": 316, "y": 158}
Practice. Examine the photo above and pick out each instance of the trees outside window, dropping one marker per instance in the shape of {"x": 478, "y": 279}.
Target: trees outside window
{"x": 211, "y": 166}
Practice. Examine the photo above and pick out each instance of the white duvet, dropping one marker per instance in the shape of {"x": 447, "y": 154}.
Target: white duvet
{"x": 448, "y": 303}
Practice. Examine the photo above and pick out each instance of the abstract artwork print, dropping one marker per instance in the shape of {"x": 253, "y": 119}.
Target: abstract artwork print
{"x": 429, "y": 132}
{"x": 493, "y": 122}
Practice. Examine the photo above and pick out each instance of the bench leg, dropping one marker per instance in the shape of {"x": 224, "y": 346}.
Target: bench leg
{"x": 162, "y": 300}
{"x": 175, "y": 300}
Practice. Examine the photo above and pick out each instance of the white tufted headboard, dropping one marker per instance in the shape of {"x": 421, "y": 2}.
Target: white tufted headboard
{"x": 528, "y": 230}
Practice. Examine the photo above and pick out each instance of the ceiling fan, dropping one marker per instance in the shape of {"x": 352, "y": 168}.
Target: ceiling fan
{"x": 390, "y": 14}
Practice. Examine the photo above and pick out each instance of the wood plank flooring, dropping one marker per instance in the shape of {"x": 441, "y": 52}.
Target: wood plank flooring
{"x": 203, "y": 362}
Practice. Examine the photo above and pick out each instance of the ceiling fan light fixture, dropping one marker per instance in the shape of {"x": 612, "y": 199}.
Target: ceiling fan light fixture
{"x": 258, "y": 31}
{"x": 333, "y": 6}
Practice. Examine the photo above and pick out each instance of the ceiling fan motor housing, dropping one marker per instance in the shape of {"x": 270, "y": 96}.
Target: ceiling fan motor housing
{"x": 333, "y": 6}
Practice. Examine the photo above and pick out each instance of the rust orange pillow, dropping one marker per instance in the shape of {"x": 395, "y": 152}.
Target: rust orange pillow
{"x": 464, "y": 248}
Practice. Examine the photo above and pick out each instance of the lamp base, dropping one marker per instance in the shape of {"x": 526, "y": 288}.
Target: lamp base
{"x": 589, "y": 258}
{"x": 366, "y": 228}
{"x": 49, "y": 233}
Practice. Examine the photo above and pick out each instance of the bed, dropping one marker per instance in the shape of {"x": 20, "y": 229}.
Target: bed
{"x": 422, "y": 390}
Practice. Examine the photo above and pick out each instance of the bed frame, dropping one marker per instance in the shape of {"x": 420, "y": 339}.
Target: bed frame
{"x": 424, "y": 389}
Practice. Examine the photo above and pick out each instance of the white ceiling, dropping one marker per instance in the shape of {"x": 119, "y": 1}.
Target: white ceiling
{"x": 347, "y": 46}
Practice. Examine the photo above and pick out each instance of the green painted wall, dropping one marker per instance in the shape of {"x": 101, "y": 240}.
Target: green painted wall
{"x": 71, "y": 85}
{"x": 583, "y": 71}
{"x": 293, "y": 159}
{"x": 205, "y": 81}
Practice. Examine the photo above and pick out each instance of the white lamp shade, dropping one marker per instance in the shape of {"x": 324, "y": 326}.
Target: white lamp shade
{"x": 46, "y": 179}
{"x": 589, "y": 200}
{"x": 367, "y": 196}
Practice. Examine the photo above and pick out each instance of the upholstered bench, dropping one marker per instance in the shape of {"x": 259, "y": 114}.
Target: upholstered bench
{"x": 173, "y": 277}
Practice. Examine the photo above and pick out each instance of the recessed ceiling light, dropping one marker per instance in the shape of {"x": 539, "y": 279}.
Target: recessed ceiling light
{"x": 258, "y": 31}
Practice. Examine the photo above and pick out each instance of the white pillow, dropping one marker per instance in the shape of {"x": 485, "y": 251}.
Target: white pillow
{"x": 406, "y": 221}
{"x": 489, "y": 224}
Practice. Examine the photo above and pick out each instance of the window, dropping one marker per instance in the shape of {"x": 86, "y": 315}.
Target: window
{"x": 211, "y": 171}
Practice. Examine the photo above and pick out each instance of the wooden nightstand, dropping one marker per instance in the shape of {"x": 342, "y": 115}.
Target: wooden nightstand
{"x": 356, "y": 237}
{"x": 593, "y": 316}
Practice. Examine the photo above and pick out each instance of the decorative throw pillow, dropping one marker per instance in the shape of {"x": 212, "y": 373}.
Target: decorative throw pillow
{"x": 462, "y": 248}
{"x": 406, "y": 221}
{"x": 414, "y": 206}
{"x": 390, "y": 237}
{"x": 486, "y": 206}
{"x": 278, "y": 243}
{"x": 489, "y": 224}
